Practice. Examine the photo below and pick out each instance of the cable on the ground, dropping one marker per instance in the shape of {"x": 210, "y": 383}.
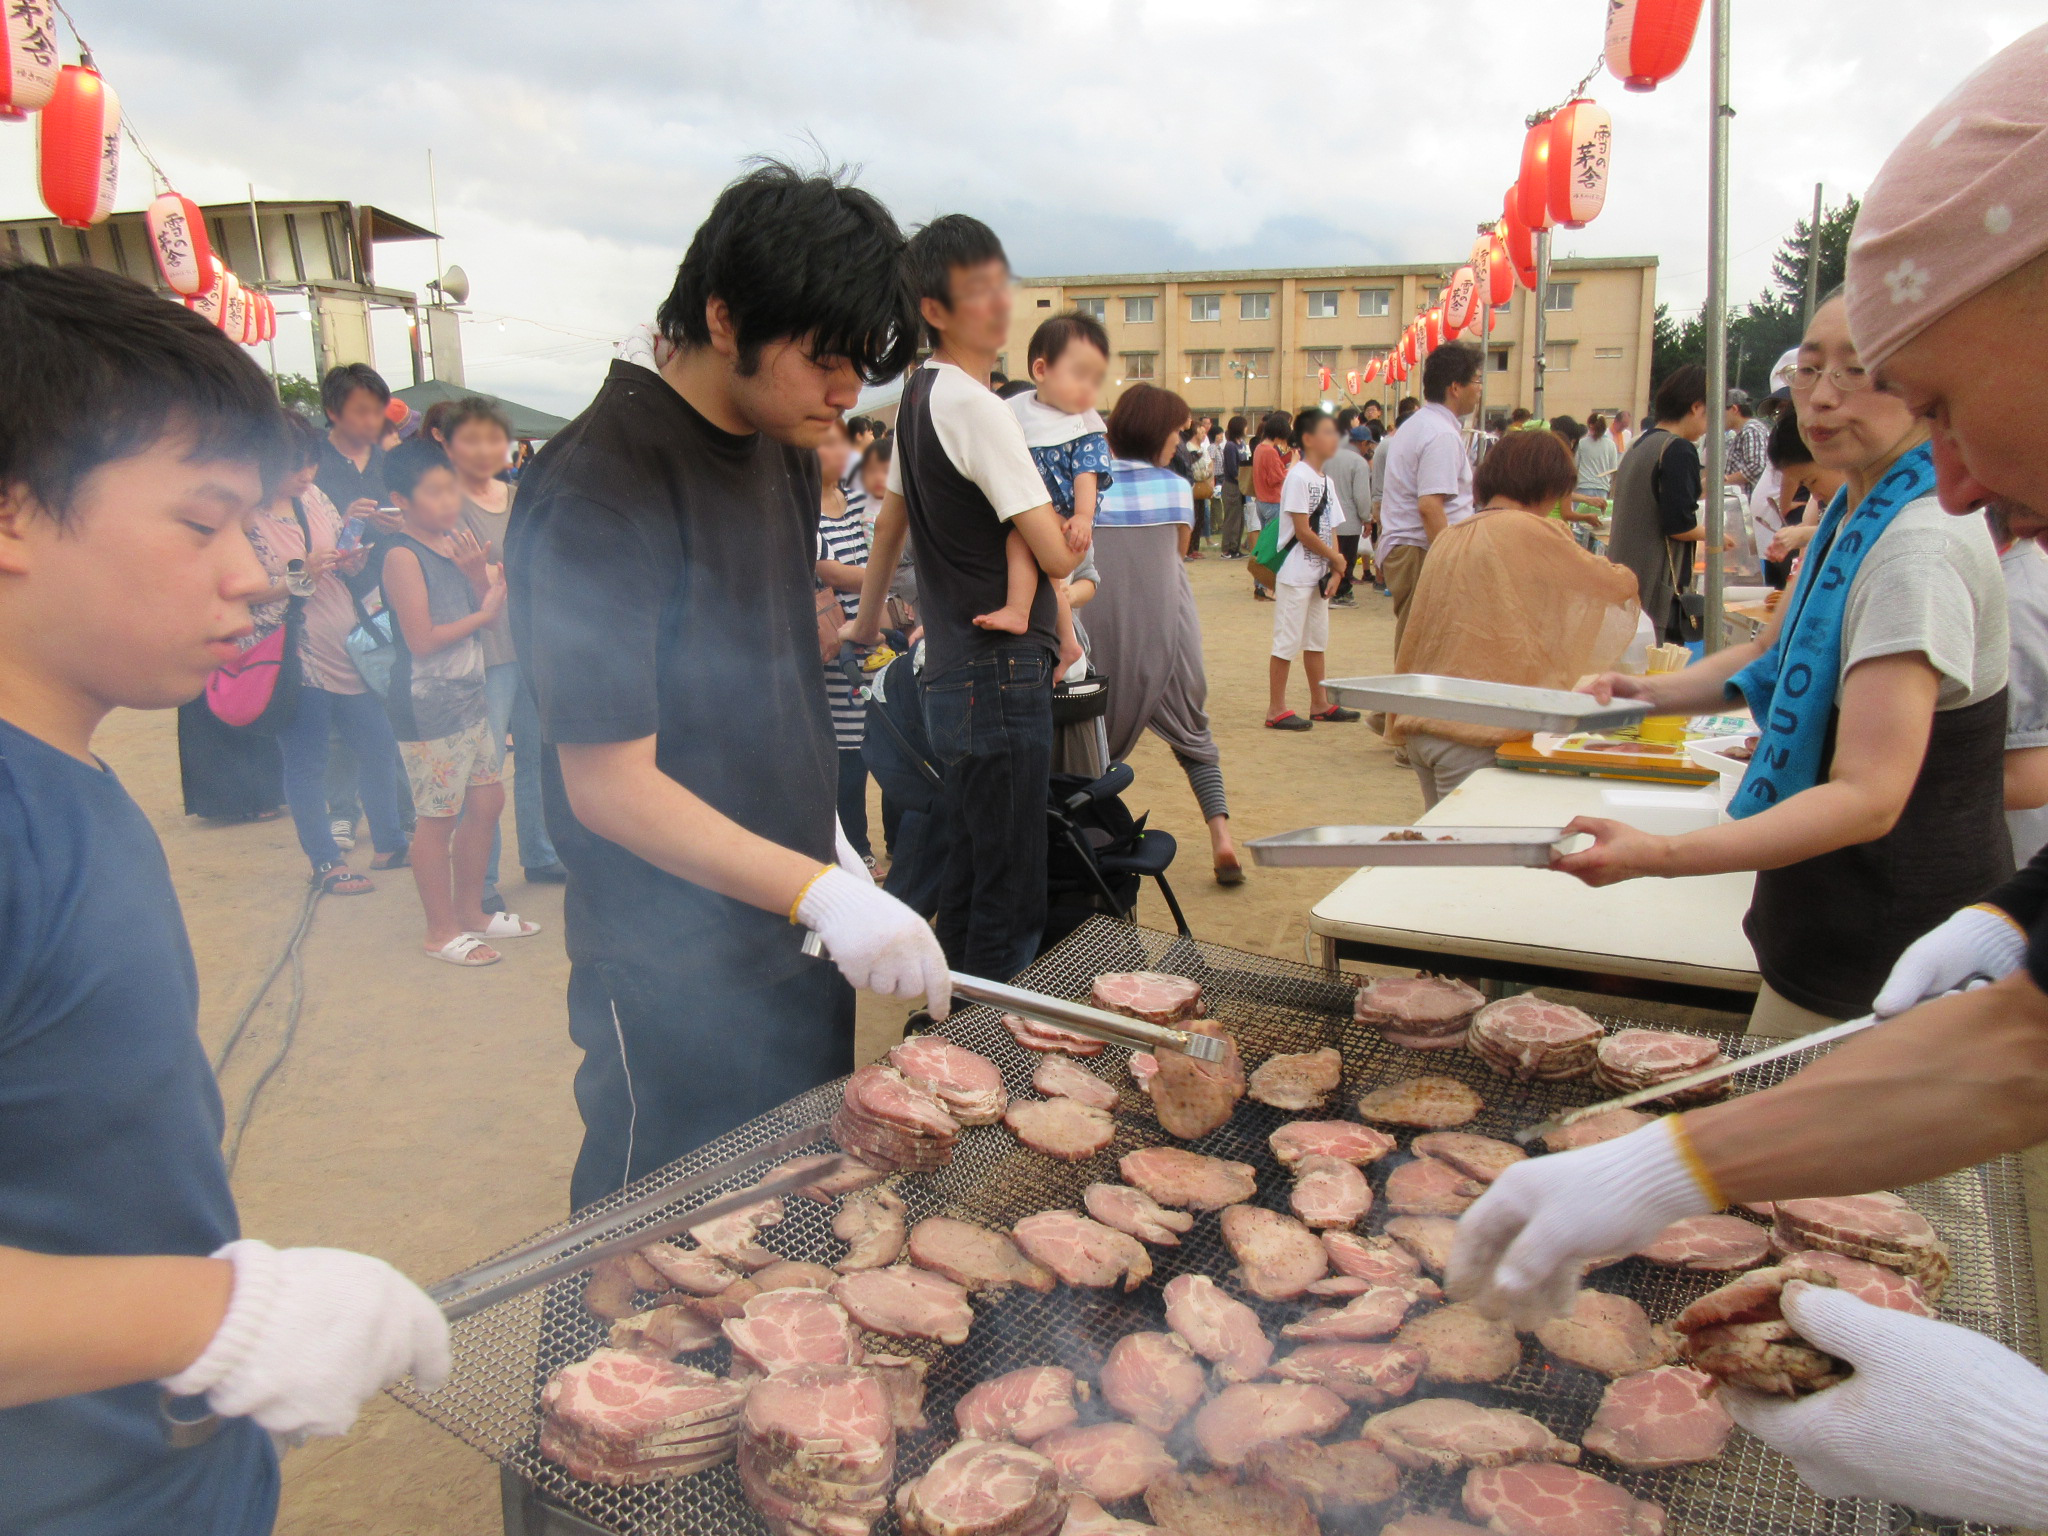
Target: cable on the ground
{"x": 291, "y": 955}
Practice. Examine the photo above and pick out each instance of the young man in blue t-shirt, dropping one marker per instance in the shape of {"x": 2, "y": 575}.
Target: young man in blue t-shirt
{"x": 135, "y": 439}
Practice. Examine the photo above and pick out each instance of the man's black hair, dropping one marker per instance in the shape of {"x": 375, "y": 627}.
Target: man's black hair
{"x": 1681, "y": 390}
{"x": 798, "y": 258}
{"x": 1347, "y": 419}
{"x": 95, "y": 368}
{"x": 1374, "y": 405}
{"x": 1307, "y": 421}
{"x": 1009, "y": 389}
{"x": 345, "y": 380}
{"x": 949, "y": 241}
{"x": 1447, "y": 368}
{"x": 1407, "y": 406}
{"x": 997, "y": 379}
{"x": 410, "y": 462}
{"x": 1787, "y": 447}
{"x": 1054, "y": 336}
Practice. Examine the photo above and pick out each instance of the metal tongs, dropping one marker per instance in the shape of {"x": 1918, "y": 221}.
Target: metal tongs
{"x": 1081, "y": 1018}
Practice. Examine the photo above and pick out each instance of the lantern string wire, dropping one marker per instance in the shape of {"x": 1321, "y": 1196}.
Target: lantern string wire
{"x": 163, "y": 182}
{"x": 1570, "y": 96}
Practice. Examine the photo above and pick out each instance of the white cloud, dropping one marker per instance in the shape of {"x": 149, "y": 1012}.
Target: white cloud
{"x": 578, "y": 147}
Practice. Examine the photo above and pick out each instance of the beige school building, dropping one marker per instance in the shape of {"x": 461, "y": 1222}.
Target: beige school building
{"x": 1258, "y": 340}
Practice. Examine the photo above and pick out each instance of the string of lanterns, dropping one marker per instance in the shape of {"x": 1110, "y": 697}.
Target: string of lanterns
{"x": 79, "y": 129}
{"x": 1561, "y": 183}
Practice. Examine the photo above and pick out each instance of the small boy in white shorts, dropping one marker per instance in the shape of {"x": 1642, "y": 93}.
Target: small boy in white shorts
{"x": 1307, "y": 576}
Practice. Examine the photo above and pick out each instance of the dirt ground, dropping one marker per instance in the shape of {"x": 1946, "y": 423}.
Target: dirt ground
{"x": 425, "y": 1116}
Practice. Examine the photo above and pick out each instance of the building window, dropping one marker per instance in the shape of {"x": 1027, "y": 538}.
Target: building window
{"x": 1365, "y": 355}
{"x": 1560, "y": 295}
{"x": 1499, "y": 358}
{"x": 1319, "y": 358}
{"x": 1607, "y": 354}
{"x": 1373, "y": 302}
{"x": 1140, "y": 365}
{"x": 1557, "y": 357}
{"x": 1255, "y": 306}
{"x": 1045, "y": 303}
{"x": 1003, "y": 364}
{"x": 1322, "y": 303}
{"x": 1431, "y": 294}
{"x": 1257, "y": 362}
{"x": 1138, "y": 309}
{"x": 1205, "y": 306}
{"x": 1205, "y": 365}
{"x": 1095, "y": 309}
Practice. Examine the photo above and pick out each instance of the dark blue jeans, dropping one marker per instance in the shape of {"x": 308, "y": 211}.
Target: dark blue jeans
{"x": 671, "y": 1061}
{"x": 990, "y": 724}
{"x": 360, "y": 721}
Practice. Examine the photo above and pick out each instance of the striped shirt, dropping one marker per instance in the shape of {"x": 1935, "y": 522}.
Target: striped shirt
{"x": 844, "y": 540}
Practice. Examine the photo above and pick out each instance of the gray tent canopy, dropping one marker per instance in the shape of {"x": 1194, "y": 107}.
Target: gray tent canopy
{"x": 526, "y": 421}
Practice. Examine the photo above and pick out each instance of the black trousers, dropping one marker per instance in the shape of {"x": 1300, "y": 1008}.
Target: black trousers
{"x": 672, "y": 1060}
{"x": 1347, "y": 546}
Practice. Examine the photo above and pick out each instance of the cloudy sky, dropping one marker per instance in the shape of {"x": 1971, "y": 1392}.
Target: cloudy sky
{"x": 576, "y": 147}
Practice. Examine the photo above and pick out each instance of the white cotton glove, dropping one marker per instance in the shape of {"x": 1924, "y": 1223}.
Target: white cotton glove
{"x": 849, "y": 856}
{"x": 1976, "y": 941}
{"x": 1521, "y": 1250}
{"x": 310, "y": 1335}
{"x": 1935, "y": 1417}
{"x": 878, "y": 943}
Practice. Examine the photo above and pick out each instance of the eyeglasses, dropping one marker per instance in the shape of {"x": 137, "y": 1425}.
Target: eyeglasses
{"x": 1846, "y": 377}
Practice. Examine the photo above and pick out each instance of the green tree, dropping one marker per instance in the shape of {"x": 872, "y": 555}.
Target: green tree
{"x": 301, "y": 393}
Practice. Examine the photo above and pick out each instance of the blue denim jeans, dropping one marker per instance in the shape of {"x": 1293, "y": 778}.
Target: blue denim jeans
{"x": 511, "y": 706}
{"x": 363, "y": 725}
{"x": 990, "y": 724}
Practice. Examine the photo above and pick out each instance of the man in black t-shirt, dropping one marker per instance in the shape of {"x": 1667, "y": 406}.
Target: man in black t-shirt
{"x": 660, "y": 561}
{"x": 351, "y": 468}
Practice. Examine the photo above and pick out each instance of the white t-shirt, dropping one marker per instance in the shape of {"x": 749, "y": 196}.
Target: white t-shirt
{"x": 1425, "y": 457}
{"x": 982, "y": 437}
{"x": 1311, "y": 491}
{"x": 2026, "y": 720}
{"x": 1932, "y": 584}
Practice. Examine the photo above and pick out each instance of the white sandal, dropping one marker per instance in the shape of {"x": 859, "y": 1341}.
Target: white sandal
{"x": 506, "y": 925}
{"x": 461, "y": 951}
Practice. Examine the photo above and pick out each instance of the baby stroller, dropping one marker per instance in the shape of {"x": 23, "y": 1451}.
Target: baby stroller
{"x": 1099, "y": 855}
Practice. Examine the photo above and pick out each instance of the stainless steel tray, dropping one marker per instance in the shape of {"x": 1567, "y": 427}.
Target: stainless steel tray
{"x": 1360, "y": 847}
{"x": 1476, "y": 703}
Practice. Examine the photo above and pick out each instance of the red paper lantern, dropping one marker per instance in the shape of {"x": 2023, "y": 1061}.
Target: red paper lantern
{"x": 1406, "y": 354}
{"x": 1647, "y": 40}
{"x": 78, "y": 147}
{"x": 177, "y": 235}
{"x": 28, "y": 57}
{"x": 1521, "y": 245}
{"x": 208, "y": 301}
{"x": 1580, "y": 137}
{"x": 1433, "y": 328}
{"x": 1500, "y": 271}
{"x": 1532, "y": 187}
{"x": 269, "y": 319}
{"x": 234, "y": 306}
{"x": 1323, "y": 377}
{"x": 1352, "y": 382}
{"x": 1461, "y": 300}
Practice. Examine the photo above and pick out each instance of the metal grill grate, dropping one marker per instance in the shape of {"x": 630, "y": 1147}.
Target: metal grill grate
{"x": 504, "y": 1354}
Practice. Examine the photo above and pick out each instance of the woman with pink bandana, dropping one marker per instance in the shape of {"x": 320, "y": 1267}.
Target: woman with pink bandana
{"x": 1948, "y": 303}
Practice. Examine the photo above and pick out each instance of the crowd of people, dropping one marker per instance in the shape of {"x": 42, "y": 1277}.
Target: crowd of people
{"x": 673, "y": 608}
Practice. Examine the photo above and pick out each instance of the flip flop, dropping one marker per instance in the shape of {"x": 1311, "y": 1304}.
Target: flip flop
{"x": 340, "y": 880}
{"x": 1230, "y": 874}
{"x": 505, "y": 925}
{"x": 1288, "y": 722}
{"x": 461, "y": 950}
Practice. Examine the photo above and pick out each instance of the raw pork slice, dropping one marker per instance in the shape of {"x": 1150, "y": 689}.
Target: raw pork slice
{"x": 967, "y": 1083}
{"x": 1133, "y": 1211}
{"x": 1188, "y": 1179}
{"x": 1666, "y": 1417}
{"x": 1739, "y": 1335}
{"x": 1447, "y": 1433}
{"x": 974, "y": 1257}
{"x": 620, "y": 1417}
{"x": 1373, "y": 1315}
{"x": 1085, "y": 1517}
{"x": 1083, "y": 1252}
{"x": 1153, "y": 1380}
{"x": 731, "y": 1237}
{"x": 1372, "y": 1374}
{"x": 1879, "y": 1229}
{"x": 1423, "y": 1013}
{"x": 1595, "y": 1129}
{"x": 1533, "y": 1040}
{"x": 871, "y": 1223}
{"x": 1242, "y": 1417}
{"x": 1063, "y": 1128}
{"x": 1632, "y": 1059}
{"x": 1477, "y": 1157}
{"x": 1463, "y": 1344}
{"x": 906, "y": 1303}
{"x": 1111, "y": 1461}
{"x": 817, "y": 1447}
{"x": 1430, "y": 1103}
{"x": 1152, "y": 996}
{"x": 892, "y": 1123}
{"x": 1034, "y": 1036}
{"x": 1304, "y": 1080}
{"x": 1359, "y": 1144}
{"x": 1710, "y": 1243}
{"x": 1277, "y": 1257}
{"x": 689, "y": 1269}
{"x": 1536, "y": 1498}
{"x": 1329, "y": 1192}
{"x": 984, "y": 1488}
{"x": 1609, "y": 1334}
{"x": 781, "y": 1329}
{"x": 1190, "y": 1097}
{"x": 1429, "y": 1238}
{"x": 1339, "y": 1481}
{"x": 1873, "y": 1283}
{"x": 1218, "y": 1327}
{"x": 1057, "y": 1077}
{"x": 1215, "y": 1504}
{"x": 1024, "y": 1405}
{"x": 1423, "y": 1186}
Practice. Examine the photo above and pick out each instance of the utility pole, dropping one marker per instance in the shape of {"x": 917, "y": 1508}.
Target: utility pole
{"x": 1720, "y": 112}
{"x": 263, "y": 276}
{"x": 1542, "y": 321}
{"x": 1812, "y": 261}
